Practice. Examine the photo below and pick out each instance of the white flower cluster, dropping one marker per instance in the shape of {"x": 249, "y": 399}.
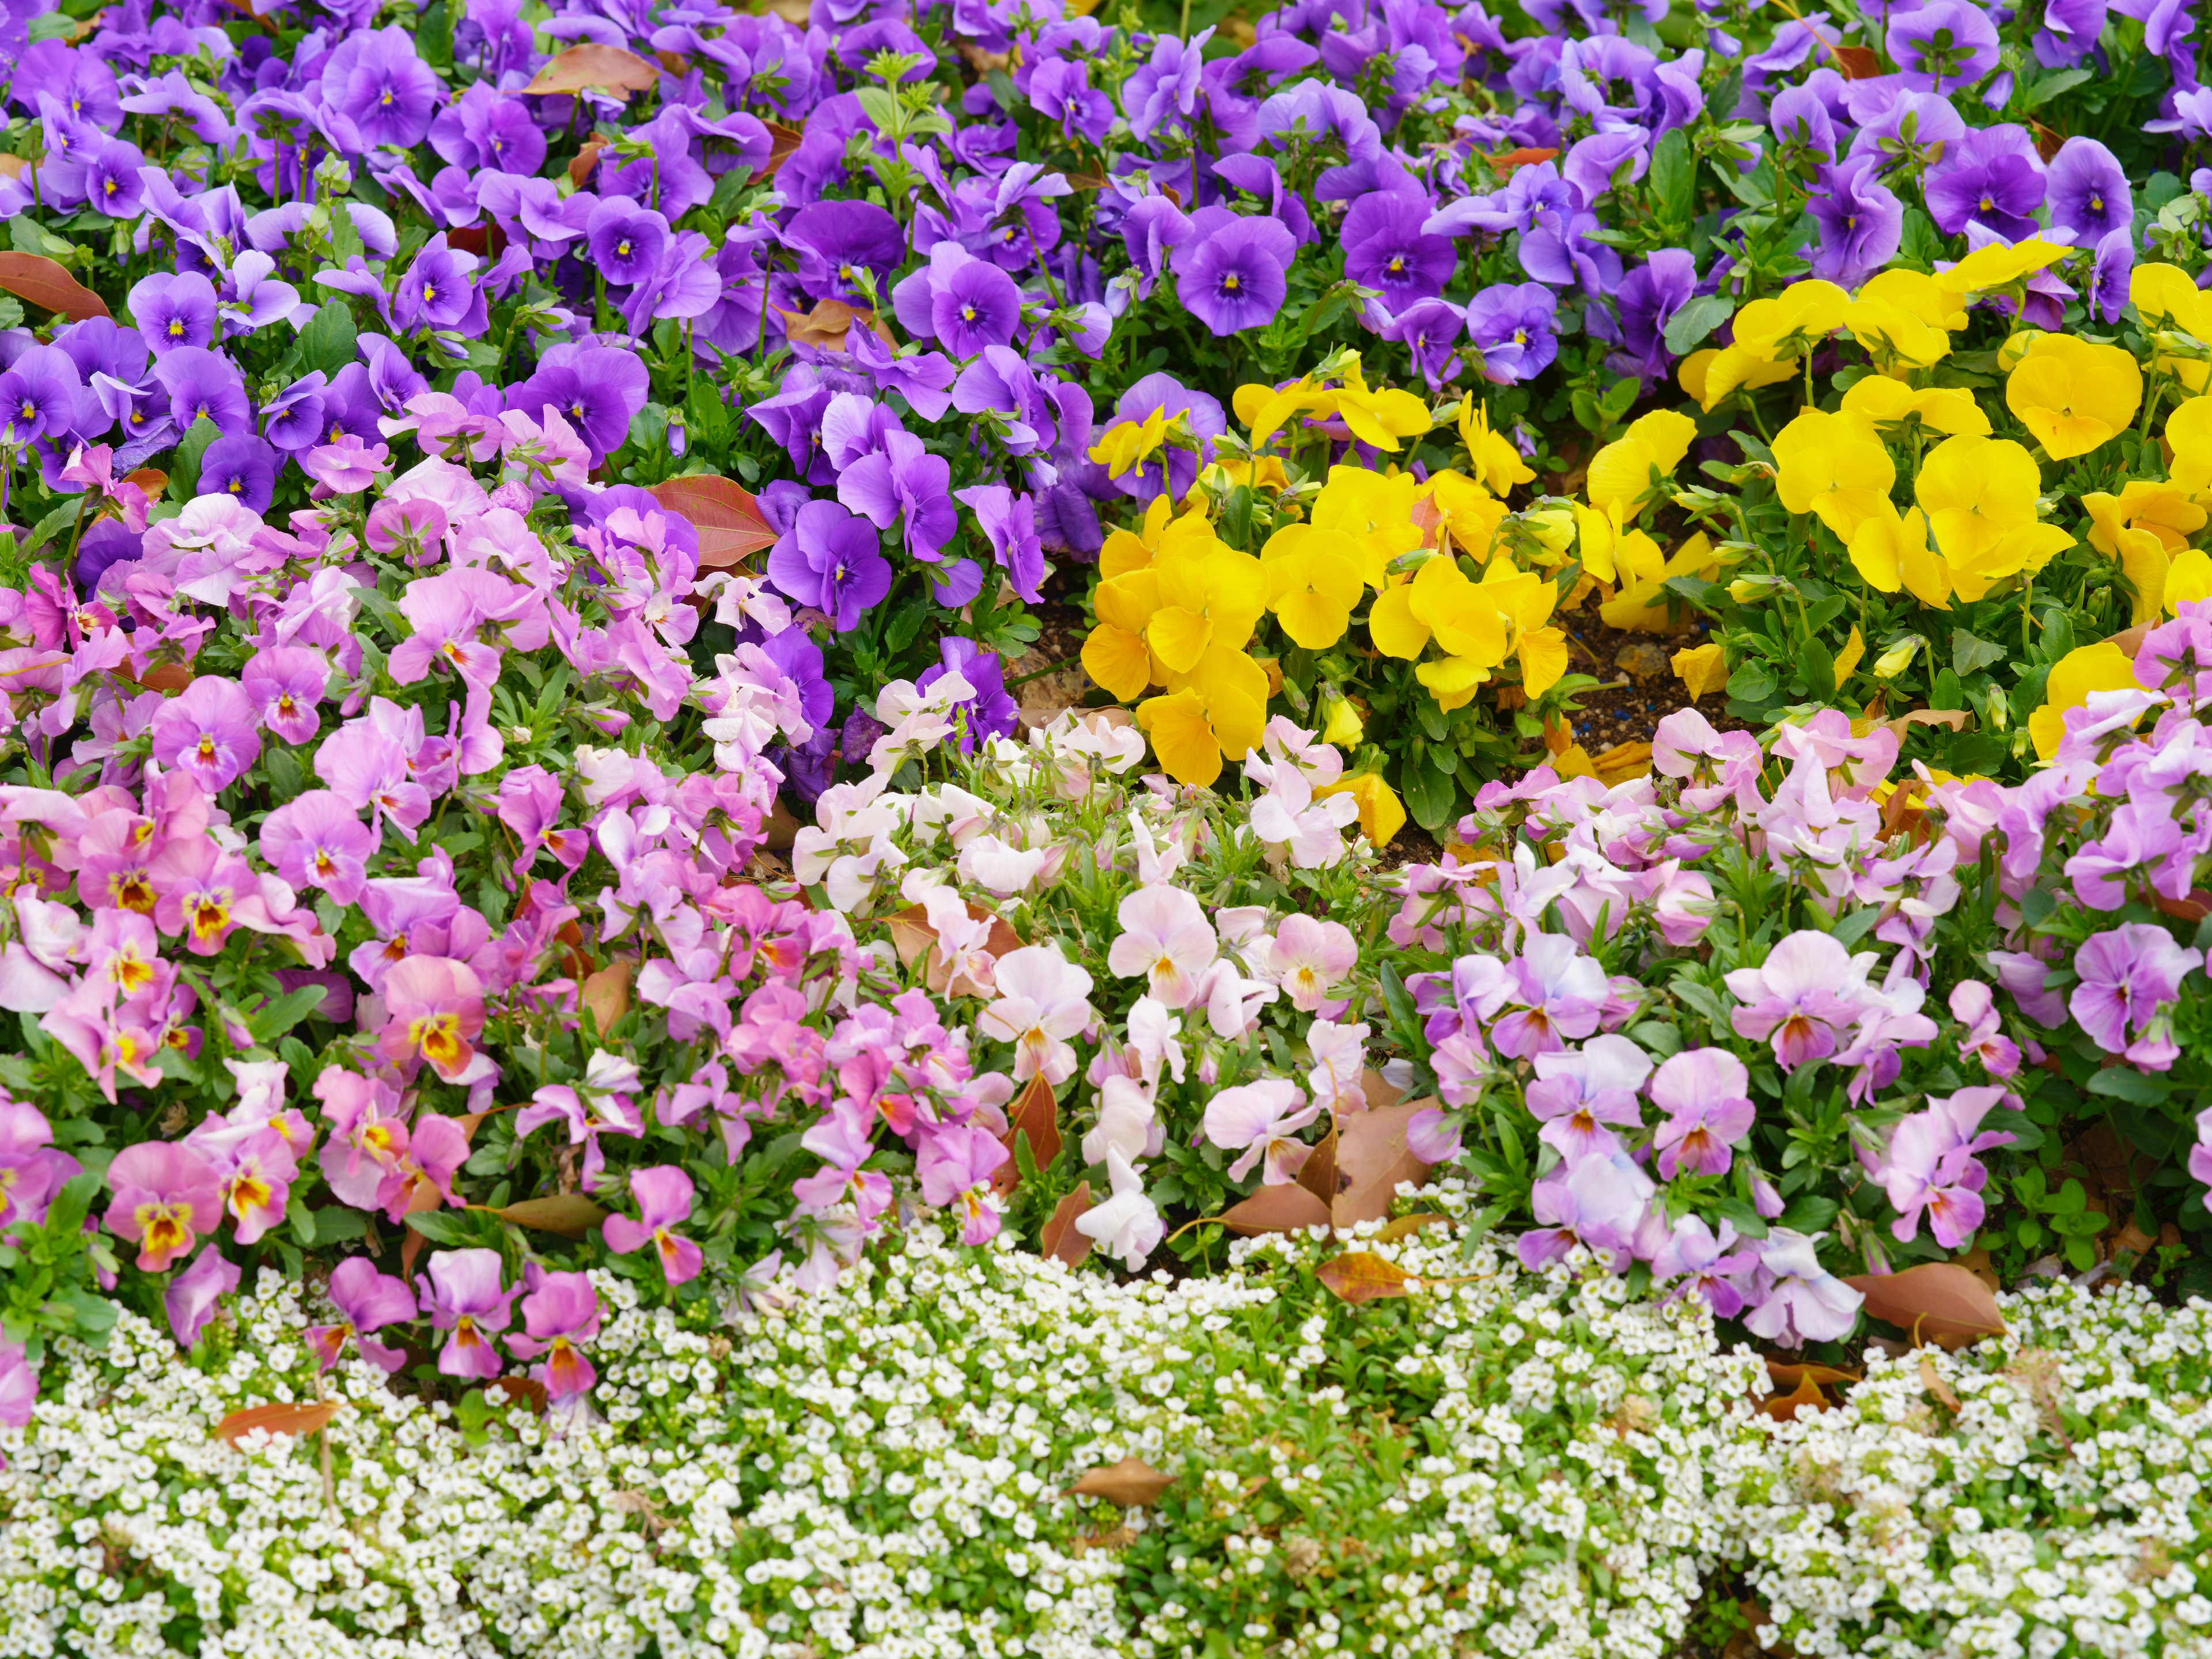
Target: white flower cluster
{"x": 2038, "y": 1495}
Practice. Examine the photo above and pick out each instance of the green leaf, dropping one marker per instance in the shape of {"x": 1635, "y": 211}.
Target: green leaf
{"x": 53, "y": 524}
{"x": 1695, "y": 321}
{"x": 286, "y": 1011}
{"x": 2048, "y": 87}
{"x": 1970, "y": 653}
{"x": 441, "y": 1228}
{"x": 1751, "y": 681}
{"x": 328, "y": 341}
{"x": 1674, "y": 178}
{"x": 1432, "y": 800}
{"x": 185, "y": 464}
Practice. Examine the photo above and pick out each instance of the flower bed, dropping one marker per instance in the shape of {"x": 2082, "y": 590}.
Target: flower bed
{"x": 743, "y": 692}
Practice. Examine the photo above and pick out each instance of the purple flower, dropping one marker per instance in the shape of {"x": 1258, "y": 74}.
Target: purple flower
{"x": 1166, "y": 89}
{"x": 2070, "y": 28}
{"x": 1579, "y": 1091}
{"x": 1707, "y": 1266}
{"x": 208, "y": 731}
{"x": 462, "y": 1294}
{"x": 242, "y": 467}
{"x": 190, "y": 1297}
{"x": 174, "y": 311}
{"x": 2088, "y": 193}
{"x": 561, "y": 1310}
{"x": 1799, "y": 118}
{"x": 975, "y": 306}
{"x": 439, "y": 291}
{"x": 902, "y": 483}
{"x": 1930, "y": 1166}
{"x": 2130, "y": 975}
{"x": 1232, "y": 278}
{"x": 1553, "y": 994}
{"x": 626, "y": 240}
{"x": 1596, "y": 1202}
{"x": 837, "y": 239}
{"x": 1991, "y": 177}
{"x": 366, "y": 1301}
{"x": 487, "y": 130}
{"x": 1798, "y": 1301}
{"x": 2112, "y": 275}
{"x": 38, "y": 397}
{"x": 1801, "y": 999}
{"x": 1943, "y": 47}
{"x": 377, "y": 82}
{"x": 203, "y": 383}
{"x": 1862, "y": 222}
{"x": 990, "y": 713}
{"x": 1510, "y": 324}
{"x": 1705, "y": 1093}
{"x": 1195, "y": 412}
{"x": 1385, "y": 248}
{"x": 598, "y": 390}
{"x": 1647, "y": 297}
{"x": 829, "y": 559}
{"x": 1008, "y": 522}
{"x": 664, "y": 1199}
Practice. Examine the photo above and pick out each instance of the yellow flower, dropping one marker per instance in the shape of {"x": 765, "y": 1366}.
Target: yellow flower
{"x": 1469, "y": 513}
{"x": 1918, "y": 294}
{"x": 1126, "y": 550}
{"x": 1948, "y": 410}
{"x": 1375, "y": 509}
{"x": 1898, "y": 658}
{"x": 2188, "y": 431}
{"x": 1793, "y": 321}
{"x": 1848, "y": 658}
{"x": 1635, "y": 469}
{"x": 1642, "y": 605}
{"x": 1979, "y": 494}
{"x": 1264, "y": 410}
{"x": 1379, "y": 418}
{"x": 1711, "y": 375}
{"x": 2188, "y": 577}
{"x": 1834, "y": 466}
{"x": 1999, "y": 265}
{"x": 1492, "y": 458}
{"x": 1210, "y": 597}
{"x": 2141, "y": 553}
{"x": 1313, "y": 582}
{"x": 1214, "y": 716}
{"x": 2100, "y": 667}
{"x": 1380, "y": 815}
{"x": 1262, "y": 473}
{"x": 1891, "y": 551}
{"x": 1895, "y": 336}
{"x": 1525, "y": 600}
{"x": 1703, "y": 670}
{"x": 2073, "y": 395}
{"x": 1114, "y": 654}
{"x": 1345, "y": 725}
{"x": 2167, "y": 296}
{"x": 1123, "y": 446}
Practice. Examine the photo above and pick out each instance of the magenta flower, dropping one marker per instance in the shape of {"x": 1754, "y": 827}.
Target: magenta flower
{"x": 30, "y": 1170}
{"x": 1553, "y": 994}
{"x": 1801, "y": 999}
{"x": 957, "y": 1164}
{"x": 664, "y": 1201}
{"x": 589, "y": 1112}
{"x": 1705, "y": 1093}
{"x": 1579, "y": 1091}
{"x": 1930, "y": 1165}
{"x": 208, "y": 733}
{"x": 462, "y": 1294}
{"x": 2130, "y": 975}
{"x": 192, "y": 1296}
{"x": 369, "y": 1301}
{"x": 318, "y": 840}
{"x": 1707, "y": 1266}
{"x": 285, "y": 683}
{"x": 19, "y": 1387}
{"x": 165, "y": 1198}
{"x": 256, "y": 1172}
{"x": 345, "y": 467}
{"x": 561, "y": 1311}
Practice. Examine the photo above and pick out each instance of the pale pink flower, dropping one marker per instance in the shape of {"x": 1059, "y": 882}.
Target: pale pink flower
{"x": 1165, "y": 937}
{"x": 1260, "y": 1121}
{"x": 1043, "y": 1000}
{"x": 1308, "y": 957}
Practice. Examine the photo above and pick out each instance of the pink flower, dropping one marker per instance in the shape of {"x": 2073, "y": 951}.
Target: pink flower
{"x": 192, "y": 1296}
{"x": 19, "y": 1387}
{"x": 1127, "y": 1225}
{"x": 285, "y": 683}
{"x": 1043, "y": 1000}
{"x": 1577, "y": 1092}
{"x": 957, "y": 1162}
{"x": 1553, "y": 994}
{"x": 2130, "y": 976}
{"x": 663, "y": 1199}
{"x": 1307, "y": 957}
{"x": 208, "y": 733}
{"x": 317, "y": 839}
{"x": 1705, "y": 1093}
{"x": 369, "y": 1301}
{"x": 1598, "y": 1202}
{"x": 1796, "y": 1300}
{"x": 1261, "y": 1121}
{"x": 1340, "y": 1057}
{"x": 165, "y": 1198}
{"x": 1166, "y": 937}
{"x": 1974, "y": 1006}
{"x": 434, "y": 1010}
{"x": 561, "y": 1311}
{"x": 31, "y": 1171}
{"x": 256, "y": 1171}
{"x": 1931, "y": 1165}
{"x": 462, "y": 1294}
{"x": 346, "y": 467}
{"x": 590, "y": 1111}
{"x": 369, "y": 1135}
{"x": 1801, "y": 999}
{"x": 1706, "y": 1266}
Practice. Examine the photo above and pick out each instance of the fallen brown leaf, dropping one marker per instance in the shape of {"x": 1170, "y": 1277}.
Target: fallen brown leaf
{"x": 607, "y": 993}
{"x": 569, "y": 1214}
{"x": 730, "y": 525}
{"x": 827, "y": 326}
{"x": 1062, "y": 1240}
{"x": 1132, "y": 1483}
{"x": 1035, "y": 1118}
{"x": 1317, "y": 1174}
{"x": 606, "y": 69}
{"x": 1289, "y": 1209}
{"x": 41, "y": 281}
{"x": 297, "y": 1419}
{"x": 1359, "y": 1277}
{"x": 1937, "y": 1302}
{"x": 1932, "y": 1380}
{"x": 1371, "y": 1160}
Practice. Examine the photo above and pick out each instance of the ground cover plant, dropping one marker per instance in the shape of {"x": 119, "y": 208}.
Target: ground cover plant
{"x": 656, "y": 659}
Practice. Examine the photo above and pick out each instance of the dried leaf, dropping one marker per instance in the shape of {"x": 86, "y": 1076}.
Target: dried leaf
{"x": 1061, "y": 1241}
{"x": 674, "y": 62}
{"x": 1932, "y": 1380}
{"x": 1527, "y": 156}
{"x": 912, "y": 935}
{"x": 516, "y": 1391}
{"x": 1703, "y": 670}
{"x": 728, "y": 520}
{"x": 167, "y": 678}
{"x": 1806, "y": 1397}
{"x": 607, "y": 993}
{"x": 151, "y": 479}
{"x": 783, "y": 141}
{"x": 1317, "y": 1174}
{"x": 2195, "y": 908}
{"x": 607, "y": 68}
{"x": 1622, "y": 762}
{"x": 1406, "y": 1226}
{"x": 300, "y": 1418}
{"x": 1035, "y": 1118}
{"x": 1951, "y": 718}
{"x": 580, "y": 167}
{"x": 829, "y": 323}
{"x": 1371, "y": 1160}
{"x": 1937, "y": 1302}
{"x": 1132, "y": 1483}
{"x": 1855, "y": 62}
{"x": 486, "y": 241}
{"x": 1361, "y": 1276}
{"x": 1379, "y": 1091}
{"x": 1288, "y": 1209}
{"x": 569, "y": 1214}
{"x": 11, "y": 167}
{"x": 36, "y": 278}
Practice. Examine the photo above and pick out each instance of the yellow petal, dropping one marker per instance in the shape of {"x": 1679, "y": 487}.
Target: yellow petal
{"x": 1179, "y": 636}
{"x": 1703, "y": 670}
{"x": 1117, "y": 659}
{"x": 2188, "y": 577}
{"x": 1382, "y": 815}
{"x": 1848, "y": 658}
{"x": 1183, "y": 736}
{"x": 1393, "y": 628}
{"x": 1543, "y": 660}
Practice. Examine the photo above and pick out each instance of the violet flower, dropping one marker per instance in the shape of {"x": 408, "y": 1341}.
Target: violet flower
{"x": 1803, "y": 999}
{"x": 1386, "y": 248}
{"x": 663, "y": 1196}
{"x": 561, "y": 1310}
{"x": 1943, "y": 47}
{"x": 1798, "y": 1301}
{"x": 901, "y": 482}
{"x": 190, "y": 1300}
{"x": 829, "y": 559}
{"x": 366, "y": 1301}
{"x": 1992, "y": 177}
{"x": 988, "y": 712}
{"x": 172, "y": 311}
{"x": 1705, "y": 1093}
{"x": 166, "y": 1198}
{"x": 377, "y": 82}
{"x": 2087, "y": 193}
{"x": 462, "y": 1294}
{"x": 1862, "y": 222}
{"x": 1008, "y": 522}
{"x": 1234, "y": 279}
{"x": 208, "y": 733}
{"x": 2130, "y": 976}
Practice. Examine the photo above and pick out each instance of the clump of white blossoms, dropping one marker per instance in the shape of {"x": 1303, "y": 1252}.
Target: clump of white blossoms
{"x": 2044, "y": 1493}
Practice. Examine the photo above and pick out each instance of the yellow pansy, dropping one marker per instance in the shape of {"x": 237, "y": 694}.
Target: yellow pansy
{"x": 1979, "y": 494}
{"x": 1345, "y": 725}
{"x": 1492, "y": 458}
{"x": 1710, "y": 374}
{"x": 1314, "y": 581}
{"x": 1891, "y": 551}
{"x": 1379, "y": 419}
{"x": 2188, "y": 577}
{"x": 1703, "y": 670}
{"x": 1948, "y": 410}
{"x": 1376, "y": 509}
{"x": 1999, "y": 265}
{"x": 1834, "y": 466}
{"x": 1919, "y": 295}
{"x": 1635, "y": 469}
{"x": 2167, "y": 296}
{"x": 1525, "y": 601}
{"x": 1217, "y": 712}
{"x": 1793, "y": 321}
{"x": 1163, "y": 527}
{"x": 1642, "y": 605}
{"x": 2188, "y": 433}
{"x": 1210, "y": 597}
{"x": 1265, "y": 408}
{"x": 1896, "y": 336}
{"x": 1381, "y": 816}
{"x": 1467, "y": 514}
{"x": 2139, "y": 550}
{"x": 2074, "y": 395}
{"x": 2100, "y": 667}
{"x": 1114, "y": 653}
{"x": 1123, "y": 446}
{"x": 1264, "y": 472}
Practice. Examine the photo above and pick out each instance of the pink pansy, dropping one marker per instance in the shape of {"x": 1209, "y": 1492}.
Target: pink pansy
{"x": 346, "y": 467}
{"x": 1155, "y": 1035}
{"x": 840, "y": 1138}
{"x": 1308, "y": 958}
{"x": 285, "y": 683}
{"x": 1579, "y": 1091}
{"x": 1596, "y": 1202}
{"x": 1796, "y": 1300}
{"x": 957, "y": 1164}
{"x": 34, "y": 966}
{"x": 2130, "y": 976}
{"x": 1260, "y": 1121}
{"x": 1127, "y": 1122}
{"x": 435, "y": 1010}
{"x": 256, "y": 1172}
{"x": 18, "y": 1387}
{"x": 559, "y": 1312}
{"x": 317, "y": 839}
{"x": 369, "y": 1134}
{"x": 1803, "y": 999}
{"x": 589, "y": 1113}
{"x": 1166, "y": 937}
{"x": 190, "y": 1297}
{"x": 1127, "y": 1225}
{"x": 31, "y": 1171}
{"x": 664, "y": 1199}
{"x": 205, "y": 894}
{"x": 208, "y": 733}
{"x": 1043, "y": 1000}
{"x": 1931, "y": 1164}
{"x": 368, "y": 766}
{"x": 1974, "y": 1006}
{"x": 1705, "y": 1093}
{"x": 367, "y": 1301}
{"x": 166, "y": 1198}
{"x": 437, "y": 1146}
{"x": 1232, "y": 1002}
{"x": 1340, "y": 1062}
{"x": 1553, "y": 994}
{"x": 1705, "y": 1265}
{"x": 462, "y": 1294}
